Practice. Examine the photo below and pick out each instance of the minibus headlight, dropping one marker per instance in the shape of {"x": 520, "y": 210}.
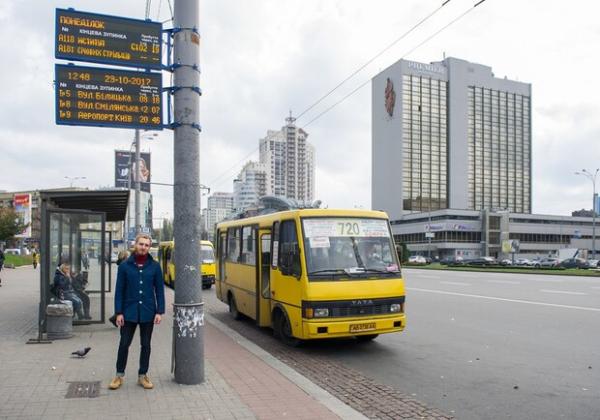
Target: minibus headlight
{"x": 321, "y": 312}
{"x": 395, "y": 307}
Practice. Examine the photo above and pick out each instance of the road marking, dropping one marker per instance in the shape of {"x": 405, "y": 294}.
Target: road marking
{"x": 425, "y": 276}
{"x": 503, "y": 281}
{"x": 547, "y": 280}
{"x": 565, "y": 292}
{"x": 455, "y": 283}
{"x": 529, "y": 302}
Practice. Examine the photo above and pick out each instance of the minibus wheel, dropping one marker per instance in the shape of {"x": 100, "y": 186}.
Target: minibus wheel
{"x": 233, "y": 310}
{"x": 366, "y": 338}
{"x": 283, "y": 330}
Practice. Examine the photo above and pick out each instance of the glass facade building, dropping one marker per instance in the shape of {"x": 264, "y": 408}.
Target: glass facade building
{"x": 499, "y": 147}
{"x": 424, "y": 143}
{"x": 449, "y": 135}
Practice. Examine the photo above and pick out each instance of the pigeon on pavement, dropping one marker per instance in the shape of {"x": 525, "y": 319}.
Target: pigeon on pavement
{"x": 82, "y": 352}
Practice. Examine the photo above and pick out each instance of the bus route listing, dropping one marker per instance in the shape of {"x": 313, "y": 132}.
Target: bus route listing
{"x": 105, "y": 97}
{"x": 107, "y": 39}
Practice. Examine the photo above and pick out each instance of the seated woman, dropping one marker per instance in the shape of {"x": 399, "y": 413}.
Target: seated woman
{"x": 64, "y": 288}
{"x": 79, "y": 282}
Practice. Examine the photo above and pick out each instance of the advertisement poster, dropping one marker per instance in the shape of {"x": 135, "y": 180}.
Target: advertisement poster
{"x": 22, "y": 203}
{"x": 124, "y": 161}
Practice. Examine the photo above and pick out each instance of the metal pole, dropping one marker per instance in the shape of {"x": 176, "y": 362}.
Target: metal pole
{"x": 137, "y": 183}
{"x": 594, "y": 217}
{"x": 188, "y": 316}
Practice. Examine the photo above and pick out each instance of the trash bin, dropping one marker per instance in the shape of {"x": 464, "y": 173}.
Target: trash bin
{"x": 59, "y": 321}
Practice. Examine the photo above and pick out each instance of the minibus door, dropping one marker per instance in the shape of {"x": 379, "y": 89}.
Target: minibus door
{"x": 263, "y": 299}
{"x": 222, "y": 242}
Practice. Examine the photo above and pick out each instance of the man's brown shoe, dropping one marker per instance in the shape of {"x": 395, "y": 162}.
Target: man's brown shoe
{"x": 116, "y": 382}
{"x": 145, "y": 382}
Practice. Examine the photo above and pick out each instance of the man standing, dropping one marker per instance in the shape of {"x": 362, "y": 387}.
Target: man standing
{"x": 139, "y": 300}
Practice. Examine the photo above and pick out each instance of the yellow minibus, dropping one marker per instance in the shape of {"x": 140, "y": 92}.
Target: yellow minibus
{"x": 166, "y": 258}
{"x": 312, "y": 273}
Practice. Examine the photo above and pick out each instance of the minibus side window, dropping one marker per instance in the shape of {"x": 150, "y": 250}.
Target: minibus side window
{"x": 248, "y": 251}
{"x": 275, "y": 246}
{"x": 289, "y": 251}
{"x": 233, "y": 244}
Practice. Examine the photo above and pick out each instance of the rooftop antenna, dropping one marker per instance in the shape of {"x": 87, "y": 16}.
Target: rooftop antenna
{"x": 290, "y": 120}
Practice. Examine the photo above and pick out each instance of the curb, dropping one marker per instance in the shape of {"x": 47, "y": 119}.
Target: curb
{"x": 341, "y": 409}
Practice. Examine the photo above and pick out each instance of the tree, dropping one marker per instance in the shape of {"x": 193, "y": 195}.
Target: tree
{"x": 10, "y": 223}
{"x": 403, "y": 252}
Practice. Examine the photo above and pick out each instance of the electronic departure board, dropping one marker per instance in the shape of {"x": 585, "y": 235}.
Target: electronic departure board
{"x": 94, "y": 96}
{"x": 106, "y": 39}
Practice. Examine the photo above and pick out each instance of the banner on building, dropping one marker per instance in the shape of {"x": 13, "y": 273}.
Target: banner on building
{"x": 22, "y": 204}
{"x": 125, "y": 164}
{"x": 511, "y": 246}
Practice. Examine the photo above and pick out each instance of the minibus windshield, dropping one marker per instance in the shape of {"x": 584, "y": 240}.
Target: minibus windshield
{"x": 206, "y": 254}
{"x": 348, "y": 248}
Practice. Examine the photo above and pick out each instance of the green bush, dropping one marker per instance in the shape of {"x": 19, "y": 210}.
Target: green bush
{"x": 17, "y": 260}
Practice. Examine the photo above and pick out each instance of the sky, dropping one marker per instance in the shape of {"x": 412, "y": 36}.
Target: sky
{"x": 262, "y": 58}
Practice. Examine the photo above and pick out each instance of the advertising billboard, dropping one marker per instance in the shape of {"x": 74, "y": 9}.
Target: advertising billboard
{"x": 22, "y": 204}
{"x": 98, "y": 38}
{"x": 511, "y": 246}
{"x": 94, "y": 96}
{"x": 125, "y": 163}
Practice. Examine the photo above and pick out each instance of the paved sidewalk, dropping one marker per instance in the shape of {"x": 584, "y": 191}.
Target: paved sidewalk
{"x": 241, "y": 382}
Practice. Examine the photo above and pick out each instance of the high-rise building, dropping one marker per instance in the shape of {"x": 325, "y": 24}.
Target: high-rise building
{"x": 450, "y": 135}
{"x": 289, "y": 161}
{"x": 219, "y": 206}
{"x": 249, "y": 186}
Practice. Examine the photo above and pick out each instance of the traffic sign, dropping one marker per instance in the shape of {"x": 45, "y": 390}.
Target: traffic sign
{"x": 98, "y": 38}
{"x": 94, "y": 96}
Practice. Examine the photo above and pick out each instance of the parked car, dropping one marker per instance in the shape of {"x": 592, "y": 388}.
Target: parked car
{"x": 12, "y": 251}
{"x": 547, "y": 263}
{"x": 452, "y": 261}
{"x": 575, "y": 263}
{"x": 506, "y": 262}
{"x": 482, "y": 261}
{"x": 523, "y": 262}
{"x": 594, "y": 263}
{"x": 417, "y": 259}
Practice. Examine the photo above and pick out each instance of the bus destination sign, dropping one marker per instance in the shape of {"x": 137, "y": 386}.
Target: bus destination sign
{"x": 94, "y": 96}
{"x": 106, "y": 39}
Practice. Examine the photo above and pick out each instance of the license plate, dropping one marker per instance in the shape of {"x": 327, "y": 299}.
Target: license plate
{"x": 362, "y": 327}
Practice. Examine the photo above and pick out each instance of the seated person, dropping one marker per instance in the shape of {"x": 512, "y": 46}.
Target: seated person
{"x": 79, "y": 282}
{"x": 64, "y": 289}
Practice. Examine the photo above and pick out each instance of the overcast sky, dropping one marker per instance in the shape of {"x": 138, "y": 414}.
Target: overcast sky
{"x": 262, "y": 58}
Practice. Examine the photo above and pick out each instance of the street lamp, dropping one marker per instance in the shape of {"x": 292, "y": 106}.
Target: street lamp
{"x": 72, "y": 179}
{"x": 592, "y": 177}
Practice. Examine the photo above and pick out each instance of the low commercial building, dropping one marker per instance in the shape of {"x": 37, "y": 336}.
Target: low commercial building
{"x": 472, "y": 234}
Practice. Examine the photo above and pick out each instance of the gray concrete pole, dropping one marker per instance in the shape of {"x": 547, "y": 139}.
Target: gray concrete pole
{"x": 188, "y": 315}
{"x": 138, "y": 206}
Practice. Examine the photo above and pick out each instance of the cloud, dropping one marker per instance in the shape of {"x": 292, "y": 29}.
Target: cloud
{"x": 259, "y": 59}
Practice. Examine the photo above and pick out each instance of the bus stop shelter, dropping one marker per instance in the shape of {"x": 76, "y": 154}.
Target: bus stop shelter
{"x": 73, "y": 231}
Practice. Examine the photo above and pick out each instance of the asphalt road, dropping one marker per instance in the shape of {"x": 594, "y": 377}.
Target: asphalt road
{"x": 491, "y": 346}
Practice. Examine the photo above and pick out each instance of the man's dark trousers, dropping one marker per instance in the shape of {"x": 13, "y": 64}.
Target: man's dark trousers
{"x": 127, "y": 332}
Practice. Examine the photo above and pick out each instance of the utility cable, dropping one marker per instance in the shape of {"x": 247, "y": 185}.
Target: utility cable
{"x": 462, "y": 15}
{"x": 228, "y": 171}
{"x": 376, "y": 56}
{"x": 212, "y": 183}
